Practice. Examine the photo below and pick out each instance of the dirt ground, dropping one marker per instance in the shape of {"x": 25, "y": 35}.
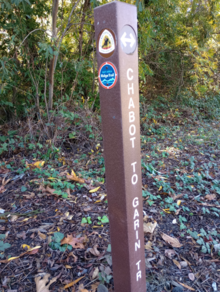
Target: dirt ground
{"x": 55, "y": 221}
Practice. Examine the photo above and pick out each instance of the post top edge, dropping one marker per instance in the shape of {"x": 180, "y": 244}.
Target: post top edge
{"x": 115, "y": 2}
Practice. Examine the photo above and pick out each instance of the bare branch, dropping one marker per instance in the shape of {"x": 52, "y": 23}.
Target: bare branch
{"x": 65, "y": 30}
{"x": 29, "y": 34}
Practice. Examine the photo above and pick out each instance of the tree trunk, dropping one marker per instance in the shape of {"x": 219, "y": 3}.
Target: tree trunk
{"x": 52, "y": 62}
{"x": 85, "y": 7}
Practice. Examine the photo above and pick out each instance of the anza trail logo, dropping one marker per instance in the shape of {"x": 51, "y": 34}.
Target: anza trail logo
{"x": 108, "y": 75}
{"x": 106, "y": 44}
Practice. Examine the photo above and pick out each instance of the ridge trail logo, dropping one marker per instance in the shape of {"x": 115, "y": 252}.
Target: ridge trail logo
{"x": 108, "y": 75}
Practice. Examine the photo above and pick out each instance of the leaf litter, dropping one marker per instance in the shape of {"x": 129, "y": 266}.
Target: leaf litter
{"x": 185, "y": 182}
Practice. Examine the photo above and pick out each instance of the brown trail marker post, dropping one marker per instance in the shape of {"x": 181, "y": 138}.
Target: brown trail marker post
{"x": 117, "y": 54}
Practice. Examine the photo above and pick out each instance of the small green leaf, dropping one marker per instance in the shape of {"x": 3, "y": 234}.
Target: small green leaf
{"x": 200, "y": 241}
{"x": 84, "y": 220}
{"x": 72, "y": 135}
{"x": 204, "y": 249}
{"x": 104, "y": 219}
{"x": 64, "y": 195}
{"x": 109, "y": 249}
{"x": 58, "y": 236}
{"x": 50, "y": 50}
{"x": 23, "y": 189}
{"x": 89, "y": 220}
{"x": 3, "y": 245}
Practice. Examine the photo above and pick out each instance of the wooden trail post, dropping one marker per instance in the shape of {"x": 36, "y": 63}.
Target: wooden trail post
{"x": 117, "y": 54}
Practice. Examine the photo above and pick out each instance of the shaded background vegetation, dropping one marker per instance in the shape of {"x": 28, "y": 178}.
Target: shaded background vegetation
{"x": 48, "y": 69}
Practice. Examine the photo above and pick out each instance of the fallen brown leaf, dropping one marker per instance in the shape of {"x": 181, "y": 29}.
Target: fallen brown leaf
{"x": 21, "y": 235}
{"x": 81, "y": 288}
{"x": 149, "y": 227}
{"x": 148, "y": 245}
{"x": 177, "y": 196}
{"x": 88, "y": 209}
{"x": 75, "y": 178}
{"x": 49, "y": 239}
{"x": 68, "y": 267}
{"x": 186, "y": 286}
{"x": 41, "y": 188}
{"x": 37, "y": 164}
{"x": 161, "y": 260}
{"x": 73, "y": 255}
{"x": 169, "y": 253}
{"x": 68, "y": 192}
{"x": 73, "y": 282}
{"x": 177, "y": 264}
{"x": 171, "y": 240}
{"x": 68, "y": 216}
{"x": 210, "y": 197}
{"x": 177, "y": 212}
{"x": 4, "y": 170}
{"x": 31, "y": 196}
{"x": 94, "y": 287}
{"x": 95, "y": 273}
{"x": 75, "y": 242}
{"x": 209, "y": 205}
{"x": 33, "y": 251}
{"x": 94, "y": 232}
{"x": 51, "y": 191}
{"x": 4, "y": 182}
{"x": 63, "y": 173}
{"x": 29, "y": 251}
{"x": 186, "y": 261}
{"x": 2, "y": 189}
{"x": 41, "y": 235}
{"x": 41, "y": 283}
{"x": 95, "y": 251}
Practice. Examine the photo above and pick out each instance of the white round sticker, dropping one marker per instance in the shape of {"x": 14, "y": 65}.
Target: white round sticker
{"x": 106, "y": 42}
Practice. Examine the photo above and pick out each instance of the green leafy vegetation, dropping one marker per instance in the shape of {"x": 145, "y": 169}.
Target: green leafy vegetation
{"x": 55, "y": 244}
{"x": 3, "y": 245}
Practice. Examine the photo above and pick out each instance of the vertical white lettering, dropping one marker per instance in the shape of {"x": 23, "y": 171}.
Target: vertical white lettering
{"x": 131, "y": 103}
{"x": 137, "y": 245}
{"x": 132, "y": 141}
{"x": 136, "y": 214}
{"x": 138, "y": 265}
{"x": 132, "y": 130}
{"x": 135, "y": 202}
{"x": 134, "y": 179}
{"x": 130, "y": 77}
{"x": 131, "y": 117}
{"x": 131, "y": 88}
{"x": 137, "y": 234}
{"x": 138, "y": 275}
{"x": 133, "y": 164}
{"x": 136, "y": 224}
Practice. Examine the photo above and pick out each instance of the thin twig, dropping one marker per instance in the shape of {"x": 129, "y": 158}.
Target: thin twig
{"x": 29, "y": 34}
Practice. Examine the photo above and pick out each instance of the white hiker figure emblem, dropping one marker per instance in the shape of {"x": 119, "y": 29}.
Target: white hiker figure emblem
{"x": 106, "y": 42}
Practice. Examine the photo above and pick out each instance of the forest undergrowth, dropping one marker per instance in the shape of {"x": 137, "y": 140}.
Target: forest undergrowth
{"x": 54, "y": 205}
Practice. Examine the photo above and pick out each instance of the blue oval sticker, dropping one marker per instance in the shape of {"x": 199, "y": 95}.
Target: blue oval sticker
{"x": 108, "y": 75}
